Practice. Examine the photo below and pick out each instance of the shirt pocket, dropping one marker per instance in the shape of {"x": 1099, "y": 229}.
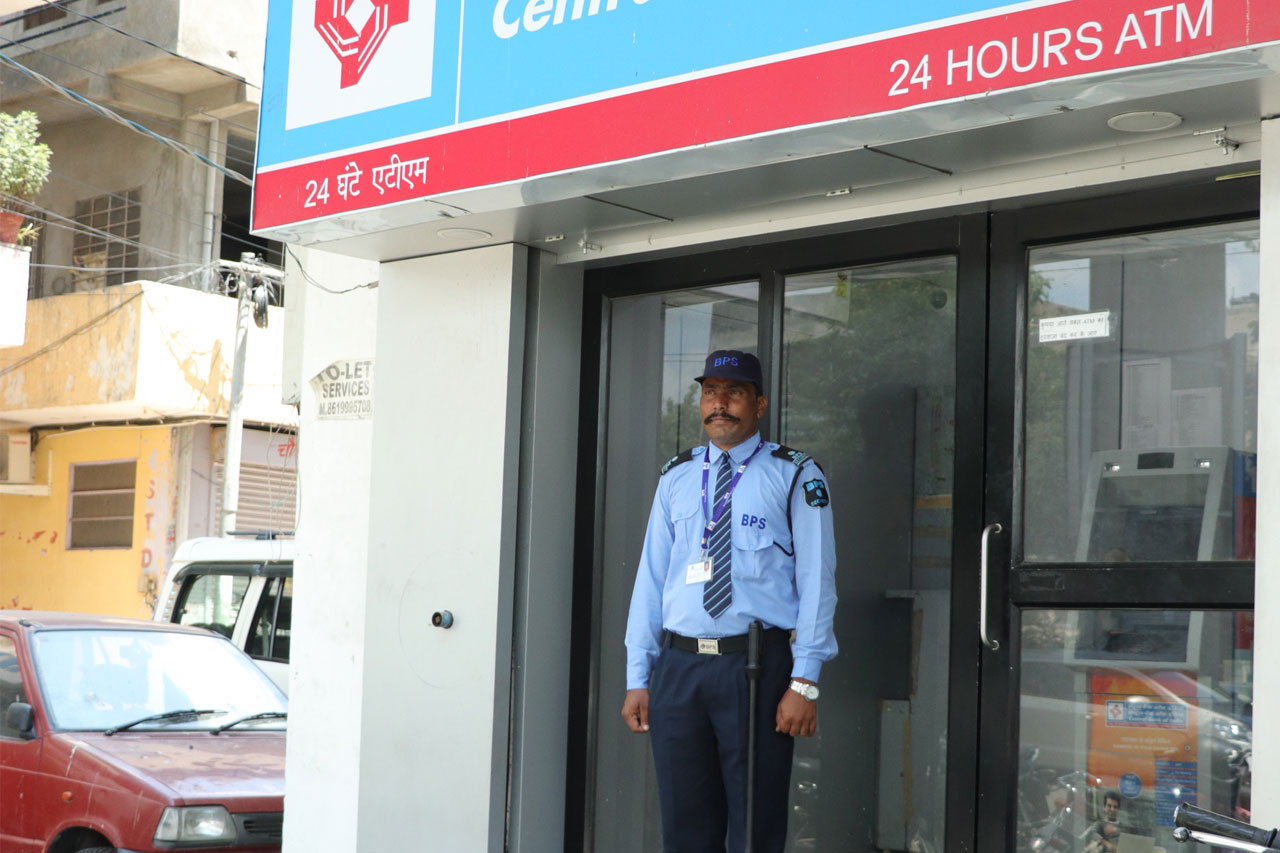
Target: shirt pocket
{"x": 687, "y": 520}
{"x": 752, "y": 548}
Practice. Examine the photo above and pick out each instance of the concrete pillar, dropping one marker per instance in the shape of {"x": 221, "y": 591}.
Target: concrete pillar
{"x": 327, "y": 652}
{"x": 1266, "y": 650}
{"x": 435, "y": 706}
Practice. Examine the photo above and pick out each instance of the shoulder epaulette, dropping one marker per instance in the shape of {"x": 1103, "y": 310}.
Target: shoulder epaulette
{"x": 796, "y": 457}
{"x": 678, "y": 459}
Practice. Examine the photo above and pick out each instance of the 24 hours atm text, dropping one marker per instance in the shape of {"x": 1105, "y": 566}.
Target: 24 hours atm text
{"x": 1054, "y": 48}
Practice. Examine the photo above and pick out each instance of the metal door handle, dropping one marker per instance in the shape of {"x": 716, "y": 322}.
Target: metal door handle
{"x": 982, "y": 594}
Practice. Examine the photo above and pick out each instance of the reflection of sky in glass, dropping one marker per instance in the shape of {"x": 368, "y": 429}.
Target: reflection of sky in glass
{"x": 690, "y": 320}
{"x": 1242, "y": 269}
{"x": 1069, "y": 278}
{"x": 1068, "y": 282}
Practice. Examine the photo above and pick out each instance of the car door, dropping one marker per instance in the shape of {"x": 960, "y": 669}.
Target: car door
{"x": 19, "y": 756}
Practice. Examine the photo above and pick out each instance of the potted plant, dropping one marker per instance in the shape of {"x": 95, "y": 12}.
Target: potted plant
{"x": 24, "y": 167}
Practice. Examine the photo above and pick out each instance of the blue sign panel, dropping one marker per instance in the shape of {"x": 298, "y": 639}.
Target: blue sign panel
{"x": 344, "y": 73}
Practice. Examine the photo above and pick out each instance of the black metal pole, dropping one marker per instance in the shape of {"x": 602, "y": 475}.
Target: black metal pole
{"x": 754, "y": 635}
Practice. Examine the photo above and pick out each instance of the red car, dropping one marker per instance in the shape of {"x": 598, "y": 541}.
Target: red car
{"x": 123, "y": 736}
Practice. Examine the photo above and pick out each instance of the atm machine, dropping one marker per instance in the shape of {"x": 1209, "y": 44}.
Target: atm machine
{"x": 1179, "y": 504}
{"x": 1148, "y": 733}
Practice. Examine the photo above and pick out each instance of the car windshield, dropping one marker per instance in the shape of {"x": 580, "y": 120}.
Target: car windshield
{"x": 97, "y": 679}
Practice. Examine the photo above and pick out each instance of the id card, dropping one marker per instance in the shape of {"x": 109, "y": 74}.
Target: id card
{"x": 699, "y": 572}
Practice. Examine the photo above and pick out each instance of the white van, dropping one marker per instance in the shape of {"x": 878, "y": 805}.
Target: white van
{"x": 241, "y": 588}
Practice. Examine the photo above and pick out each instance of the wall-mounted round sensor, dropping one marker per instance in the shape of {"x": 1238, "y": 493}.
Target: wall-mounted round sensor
{"x": 469, "y": 235}
{"x": 1144, "y": 122}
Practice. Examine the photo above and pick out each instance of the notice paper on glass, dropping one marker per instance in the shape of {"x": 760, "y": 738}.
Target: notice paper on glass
{"x": 1075, "y": 327}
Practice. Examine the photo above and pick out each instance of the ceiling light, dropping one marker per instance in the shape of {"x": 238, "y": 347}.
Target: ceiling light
{"x": 467, "y": 235}
{"x": 1144, "y": 122}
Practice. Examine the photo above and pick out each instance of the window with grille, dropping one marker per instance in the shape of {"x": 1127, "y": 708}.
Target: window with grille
{"x": 101, "y": 511}
{"x": 106, "y": 242}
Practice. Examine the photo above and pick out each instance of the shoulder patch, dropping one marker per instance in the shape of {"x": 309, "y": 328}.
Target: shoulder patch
{"x": 815, "y": 493}
{"x": 796, "y": 457}
{"x": 678, "y": 459}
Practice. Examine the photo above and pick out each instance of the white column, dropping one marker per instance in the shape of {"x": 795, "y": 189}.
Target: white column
{"x": 442, "y": 532}
{"x": 322, "y": 767}
{"x": 1266, "y": 649}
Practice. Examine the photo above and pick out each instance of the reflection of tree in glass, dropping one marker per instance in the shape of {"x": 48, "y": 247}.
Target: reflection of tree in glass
{"x": 844, "y": 341}
{"x": 1046, "y": 464}
{"x": 681, "y": 425}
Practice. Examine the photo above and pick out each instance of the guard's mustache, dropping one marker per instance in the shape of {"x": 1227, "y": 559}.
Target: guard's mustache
{"x": 724, "y": 415}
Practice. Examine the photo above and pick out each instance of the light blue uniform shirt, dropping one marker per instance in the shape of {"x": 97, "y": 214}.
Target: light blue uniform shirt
{"x": 782, "y": 575}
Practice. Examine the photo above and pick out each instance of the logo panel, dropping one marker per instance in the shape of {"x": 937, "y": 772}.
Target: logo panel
{"x": 348, "y": 57}
{"x": 355, "y": 48}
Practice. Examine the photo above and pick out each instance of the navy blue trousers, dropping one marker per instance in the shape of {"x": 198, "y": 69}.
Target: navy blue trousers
{"x": 698, "y": 728}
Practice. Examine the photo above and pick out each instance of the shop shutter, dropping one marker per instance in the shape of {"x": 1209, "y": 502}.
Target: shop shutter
{"x": 268, "y": 497}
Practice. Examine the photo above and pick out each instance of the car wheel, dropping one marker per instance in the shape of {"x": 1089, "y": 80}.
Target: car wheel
{"x": 98, "y": 850}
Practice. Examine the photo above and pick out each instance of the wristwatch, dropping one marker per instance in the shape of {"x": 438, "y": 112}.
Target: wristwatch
{"x": 808, "y": 691}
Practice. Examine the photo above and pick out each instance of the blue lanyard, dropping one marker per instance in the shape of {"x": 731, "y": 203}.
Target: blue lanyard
{"x": 728, "y": 492}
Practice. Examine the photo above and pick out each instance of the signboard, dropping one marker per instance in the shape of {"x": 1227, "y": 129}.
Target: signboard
{"x": 344, "y": 390}
{"x": 1144, "y": 740}
{"x": 1075, "y": 327}
{"x": 368, "y": 103}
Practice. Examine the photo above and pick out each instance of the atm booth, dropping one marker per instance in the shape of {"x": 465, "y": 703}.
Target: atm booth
{"x": 1004, "y": 267}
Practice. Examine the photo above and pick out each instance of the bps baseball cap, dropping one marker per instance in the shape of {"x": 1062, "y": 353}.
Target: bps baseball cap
{"x": 733, "y": 364}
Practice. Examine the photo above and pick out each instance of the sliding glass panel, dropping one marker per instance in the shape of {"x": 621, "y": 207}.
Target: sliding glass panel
{"x": 1124, "y": 715}
{"x": 656, "y": 344}
{"x": 1141, "y": 398}
{"x": 869, "y": 390}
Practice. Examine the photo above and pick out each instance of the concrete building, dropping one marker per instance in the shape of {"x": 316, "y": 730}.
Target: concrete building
{"x": 117, "y": 340}
{"x": 113, "y": 417}
{"x": 118, "y": 198}
{"x": 1008, "y": 269}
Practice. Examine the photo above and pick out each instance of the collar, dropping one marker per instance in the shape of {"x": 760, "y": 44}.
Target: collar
{"x": 737, "y": 454}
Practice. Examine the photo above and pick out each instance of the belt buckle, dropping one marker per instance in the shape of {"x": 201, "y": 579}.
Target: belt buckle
{"x": 708, "y": 647}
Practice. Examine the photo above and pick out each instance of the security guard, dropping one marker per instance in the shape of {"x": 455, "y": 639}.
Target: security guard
{"x": 740, "y": 531}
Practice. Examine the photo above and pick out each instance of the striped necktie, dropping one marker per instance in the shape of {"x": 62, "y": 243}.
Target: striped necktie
{"x": 717, "y": 595}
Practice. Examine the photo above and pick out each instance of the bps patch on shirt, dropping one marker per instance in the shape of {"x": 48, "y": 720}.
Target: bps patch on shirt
{"x": 815, "y": 493}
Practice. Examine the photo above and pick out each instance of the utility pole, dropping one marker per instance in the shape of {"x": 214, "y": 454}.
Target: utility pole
{"x": 248, "y": 271}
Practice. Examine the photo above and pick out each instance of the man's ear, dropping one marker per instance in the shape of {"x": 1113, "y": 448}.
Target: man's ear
{"x": 761, "y": 402}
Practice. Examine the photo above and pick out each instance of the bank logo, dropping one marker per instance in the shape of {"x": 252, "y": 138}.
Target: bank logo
{"x": 355, "y": 29}
{"x": 384, "y": 50}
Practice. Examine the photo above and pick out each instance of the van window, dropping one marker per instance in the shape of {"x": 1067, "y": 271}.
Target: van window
{"x": 269, "y": 638}
{"x": 211, "y": 601}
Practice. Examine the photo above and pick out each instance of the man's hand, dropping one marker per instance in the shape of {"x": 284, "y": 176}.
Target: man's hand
{"x": 797, "y": 716}
{"x": 635, "y": 710}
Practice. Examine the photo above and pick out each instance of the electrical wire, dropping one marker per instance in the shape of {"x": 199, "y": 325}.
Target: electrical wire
{"x": 82, "y": 228}
{"x": 248, "y": 153}
{"x": 264, "y": 246}
{"x": 150, "y": 43}
{"x": 79, "y": 330}
{"x": 129, "y": 123}
{"x": 152, "y": 93}
{"x": 311, "y": 281}
{"x": 105, "y": 270}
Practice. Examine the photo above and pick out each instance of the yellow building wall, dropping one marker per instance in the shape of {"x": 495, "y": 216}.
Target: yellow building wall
{"x": 98, "y": 366}
{"x": 39, "y": 572}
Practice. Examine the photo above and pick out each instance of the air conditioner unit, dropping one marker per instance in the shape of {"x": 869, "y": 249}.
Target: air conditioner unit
{"x": 15, "y": 458}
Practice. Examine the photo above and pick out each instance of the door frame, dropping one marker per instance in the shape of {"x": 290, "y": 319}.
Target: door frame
{"x": 966, "y": 238}
{"x": 1014, "y": 584}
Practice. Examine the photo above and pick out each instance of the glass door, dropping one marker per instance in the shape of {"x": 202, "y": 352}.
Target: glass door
{"x": 859, "y": 338}
{"x": 1120, "y": 513}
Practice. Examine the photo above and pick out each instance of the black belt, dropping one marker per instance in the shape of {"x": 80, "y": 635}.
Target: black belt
{"x": 721, "y": 645}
